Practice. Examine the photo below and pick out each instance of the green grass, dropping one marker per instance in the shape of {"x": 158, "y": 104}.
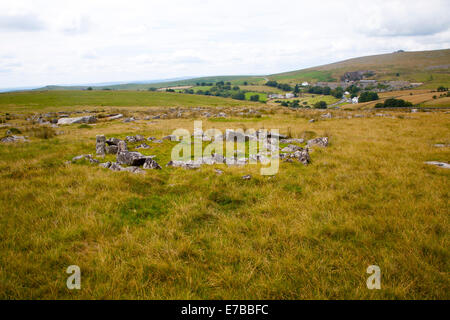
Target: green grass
{"x": 46, "y": 100}
{"x": 189, "y": 82}
{"x": 298, "y": 77}
{"x": 262, "y": 96}
{"x": 411, "y": 66}
{"x": 311, "y": 99}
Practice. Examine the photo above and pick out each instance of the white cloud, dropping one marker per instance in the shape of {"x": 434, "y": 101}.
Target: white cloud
{"x": 78, "y": 25}
{"x": 397, "y": 18}
{"x": 20, "y": 22}
{"x": 102, "y": 41}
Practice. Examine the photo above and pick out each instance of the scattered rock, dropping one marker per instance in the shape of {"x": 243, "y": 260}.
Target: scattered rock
{"x": 276, "y": 136}
{"x": 191, "y": 164}
{"x": 105, "y": 165}
{"x": 85, "y": 157}
{"x": 134, "y": 139}
{"x": 291, "y": 148}
{"x": 116, "y": 167}
{"x": 327, "y": 116}
{"x": 218, "y": 172}
{"x": 115, "y": 117}
{"x": 12, "y": 139}
{"x": 169, "y": 137}
{"x": 112, "y": 149}
{"x": 302, "y": 156}
{"x": 236, "y": 161}
{"x": 439, "y": 164}
{"x": 126, "y": 120}
{"x": 321, "y": 142}
{"x": 247, "y": 177}
{"x": 133, "y": 169}
{"x": 259, "y": 158}
{"x": 288, "y": 141}
{"x": 100, "y": 146}
{"x": 113, "y": 141}
{"x": 232, "y": 135}
{"x": 151, "y": 164}
{"x": 131, "y": 158}
{"x": 143, "y": 146}
{"x": 311, "y": 121}
{"x": 122, "y": 146}
{"x": 86, "y": 119}
{"x": 218, "y": 158}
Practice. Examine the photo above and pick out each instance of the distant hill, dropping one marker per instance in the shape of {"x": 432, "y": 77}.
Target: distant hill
{"x": 160, "y": 84}
{"x": 431, "y": 67}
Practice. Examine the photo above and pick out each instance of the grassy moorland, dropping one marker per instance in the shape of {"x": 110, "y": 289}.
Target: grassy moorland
{"x": 239, "y": 80}
{"x": 54, "y": 100}
{"x": 308, "y": 232}
{"x": 429, "y": 67}
{"x": 419, "y": 98}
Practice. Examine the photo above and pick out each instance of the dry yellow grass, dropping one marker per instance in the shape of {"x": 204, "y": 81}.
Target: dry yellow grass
{"x": 306, "y": 233}
{"x": 416, "y": 97}
{"x": 441, "y": 102}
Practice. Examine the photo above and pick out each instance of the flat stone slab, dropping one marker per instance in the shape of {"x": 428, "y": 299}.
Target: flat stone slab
{"x": 438, "y": 164}
{"x": 87, "y": 119}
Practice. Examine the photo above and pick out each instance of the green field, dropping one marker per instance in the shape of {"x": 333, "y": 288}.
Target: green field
{"x": 299, "y": 77}
{"x": 429, "y": 67}
{"x": 262, "y": 96}
{"x": 235, "y": 80}
{"x": 39, "y": 100}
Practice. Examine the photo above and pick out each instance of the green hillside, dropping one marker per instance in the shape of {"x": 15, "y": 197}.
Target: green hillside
{"x": 52, "y": 100}
{"x": 188, "y": 82}
{"x": 430, "y": 67}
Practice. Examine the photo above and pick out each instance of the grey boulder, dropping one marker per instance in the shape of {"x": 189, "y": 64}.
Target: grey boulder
{"x": 100, "y": 146}
{"x": 131, "y": 158}
{"x": 321, "y": 142}
{"x": 302, "y": 156}
{"x": 112, "y": 149}
{"x": 11, "y": 139}
{"x": 87, "y": 157}
{"x": 151, "y": 164}
{"x": 86, "y": 119}
{"x": 439, "y": 164}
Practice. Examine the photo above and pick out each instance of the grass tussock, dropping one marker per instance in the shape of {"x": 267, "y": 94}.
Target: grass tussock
{"x": 42, "y": 132}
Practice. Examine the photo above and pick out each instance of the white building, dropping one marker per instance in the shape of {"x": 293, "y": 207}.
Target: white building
{"x": 305, "y": 84}
{"x": 276, "y": 96}
{"x": 355, "y": 100}
{"x": 289, "y": 95}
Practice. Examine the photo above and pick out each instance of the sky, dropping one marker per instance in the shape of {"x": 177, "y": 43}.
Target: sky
{"x": 46, "y": 42}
